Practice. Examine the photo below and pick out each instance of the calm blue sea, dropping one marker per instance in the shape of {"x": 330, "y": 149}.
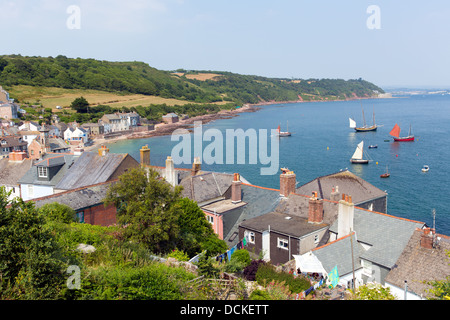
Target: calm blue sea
{"x": 322, "y": 143}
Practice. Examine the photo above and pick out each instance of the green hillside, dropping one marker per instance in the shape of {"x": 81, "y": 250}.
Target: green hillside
{"x": 140, "y": 78}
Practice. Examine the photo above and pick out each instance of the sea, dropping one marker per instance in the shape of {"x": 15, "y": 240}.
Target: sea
{"x": 322, "y": 143}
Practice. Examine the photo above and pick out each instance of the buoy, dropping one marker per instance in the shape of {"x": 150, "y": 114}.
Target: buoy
{"x": 376, "y": 162}
{"x": 396, "y": 155}
{"x": 328, "y": 148}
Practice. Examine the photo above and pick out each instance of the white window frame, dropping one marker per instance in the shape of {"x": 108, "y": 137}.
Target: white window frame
{"x": 210, "y": 219}
{"x": 283, "y": 243}
{"x": 250, "y": 236}
{"x": 316, "y": 238}
{"x": 42, "y": 172}
{"x": 367, "y": 267}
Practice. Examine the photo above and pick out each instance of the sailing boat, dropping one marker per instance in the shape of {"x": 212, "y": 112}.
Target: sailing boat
{"x": 395, "y": 132}
{"x": 283, "y": 133}
{"x": 358, "y": 155}
{"x": 386, "y": 174}
{"x": 352, "y": 123}
{"x": 365, "y": 127}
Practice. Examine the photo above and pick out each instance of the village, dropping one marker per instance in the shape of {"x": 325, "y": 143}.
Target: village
{"x": 336, "y": 222}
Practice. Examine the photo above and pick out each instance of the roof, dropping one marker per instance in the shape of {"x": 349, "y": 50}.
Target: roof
{"x": 12, "y": 171}
{"x": 65, "y": 160}
{"x": 170, "y": 115}
{"x": 12, "y": 141}
{"x": 339, "y": 253}
{"x": 79, "y": 198}
{"x": 51, "y": 161}
{"x": 418, "y": 265}
{"x": 259, "y": 201}
{"x": 292, "y": 225}
{"x": 386, "y": 235}
{"x": 206, "y": 186}
{"x": 348, "y": 183}
{"x": 91, "y": 168}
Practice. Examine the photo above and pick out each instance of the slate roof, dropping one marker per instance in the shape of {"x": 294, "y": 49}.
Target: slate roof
{"x": 12, "y": 171}
{"x": 339, "y": 253}
{"x": 259, "y": 201}
{"x": 417, "y": 264}
{"x": 348, "y": 183}
{"x": 386, "y": 235}
{"x": 281, "y": 222}
{"x": 91, "y": 168}
{"x": 78, "y": 199}
{"x": 66, "y": 161}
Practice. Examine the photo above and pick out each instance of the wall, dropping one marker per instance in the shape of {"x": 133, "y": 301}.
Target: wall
{"x": 38, "y": 191}
{"x": 217, "y": 224}
{"x": 100, "y": 215}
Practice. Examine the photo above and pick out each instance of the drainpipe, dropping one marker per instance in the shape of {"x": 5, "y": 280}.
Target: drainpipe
{"x": 406, "y": 289}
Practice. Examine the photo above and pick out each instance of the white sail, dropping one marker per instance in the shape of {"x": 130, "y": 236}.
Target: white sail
{"x": 352, "y": 123}
{"x": 359, "y": 151}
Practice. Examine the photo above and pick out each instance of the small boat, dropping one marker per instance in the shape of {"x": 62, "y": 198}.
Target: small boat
{"x": 358, "y": 155}
{"x": 425, "y": 168}
{"x": 386, "y": 174}
{"x": 373, "y": 146}
{"x": 365, "y": 127}
{"x": 395, "y": 132}
{"x": 283, "y": 133}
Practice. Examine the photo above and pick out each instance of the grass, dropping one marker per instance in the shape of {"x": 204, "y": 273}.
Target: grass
{"x": 51, "y": 97}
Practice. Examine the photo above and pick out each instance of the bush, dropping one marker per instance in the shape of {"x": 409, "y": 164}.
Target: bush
{"x": 252, "y": 268}
{"x": 266, "y": 274}
{"x": 179, "y": 255}
{"x": 58, "y": 212}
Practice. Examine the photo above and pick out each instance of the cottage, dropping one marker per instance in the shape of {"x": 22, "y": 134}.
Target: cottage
{"x": 113, "y": 123}
{"x": 170, "y": 118}
{"x": 88, "y": 203}
{"x": 92, "y": 168}
{"x": 425, "y": 258}
{"x": 11, "y": 143}
{"x": 40, "y": 180}
{"x": 12, "y": 169}
{"x": 76, "y": 135}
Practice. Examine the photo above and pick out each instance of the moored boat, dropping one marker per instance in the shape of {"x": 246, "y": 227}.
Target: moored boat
{"x": 365, "y": 127}
{"x": 283, "y": 133}
{"x": 386, "y": 174}
{"x": 425, "y": 168}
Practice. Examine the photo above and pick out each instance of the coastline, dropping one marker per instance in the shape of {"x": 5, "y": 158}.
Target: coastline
{"x": 162, "y": 129}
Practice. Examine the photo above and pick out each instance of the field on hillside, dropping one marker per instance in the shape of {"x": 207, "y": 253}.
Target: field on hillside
{"x": 51, "y": 97}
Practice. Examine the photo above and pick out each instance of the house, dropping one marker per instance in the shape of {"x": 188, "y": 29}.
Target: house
{"x": 93, "y": 129}
{"x": 30, "y": 126}
{"x": 76, "y": 135}
{"x": 170, "y": 118}
{"x": 92, "y": 168}
{"x": 88, "y": 203}
{"x": 11, "y": 143}
{"x": 132, "y": 119}
{"x": 28, "y": 135}
{"x": 113, "y": 123}
{"x": 40, "y": 180}
{"x": 364, "y": 245}
{"x": 12, "y": 169}
{"x": 44, "y": 143}
{"x": 279, "y": 236}
{"x": 364, "y": 194}
{"x": 425, "y": 258}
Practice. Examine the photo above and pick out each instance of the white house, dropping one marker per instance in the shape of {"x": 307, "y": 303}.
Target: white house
{"x": 76, "y": 134}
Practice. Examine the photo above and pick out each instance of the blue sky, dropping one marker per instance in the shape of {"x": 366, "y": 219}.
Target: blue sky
{"x": 284, "y": 38}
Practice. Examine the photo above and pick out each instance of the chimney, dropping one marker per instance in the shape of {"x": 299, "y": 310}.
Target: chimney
{"x": 346, "y": 212}
{"x": 196, "y": 166}
{"x": 17, "y": 156}
{"x": 171, "y": 176}
{"x": 287, "y": 182}
{"x": 236, "y": 196}
{"x": 335, "y": 194}
{"x": 103, "y": 151}
{"x": 315, "y": 209}
{"x": 145, "y": 155}
{"x": 426, "y": 239}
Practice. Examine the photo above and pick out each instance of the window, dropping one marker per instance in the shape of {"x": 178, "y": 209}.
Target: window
{"x": 283, "y": 243}
{"x": 367, "y": 267}
{"x": 210, "y": 219}
{"x": 250, "y": 236}
{"x": 30, "y": 191}
{"x": 42, "y": 172}
{"x": 80, "y": 216}
{"x": 316, "y": 238}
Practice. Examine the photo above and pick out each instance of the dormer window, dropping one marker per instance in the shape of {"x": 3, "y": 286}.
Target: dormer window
{"x": 42, "y": 172}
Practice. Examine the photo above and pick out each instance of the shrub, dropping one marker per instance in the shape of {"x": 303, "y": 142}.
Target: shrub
{"x": 266, "y": 274}
{"x": 252, "y": 268}
{"x": 179, "y": 255}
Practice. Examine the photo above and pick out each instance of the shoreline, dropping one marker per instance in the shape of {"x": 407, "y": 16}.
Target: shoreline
{"x": 162, "y": 129}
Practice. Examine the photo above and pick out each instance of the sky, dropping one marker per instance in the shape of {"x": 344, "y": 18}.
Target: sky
{"x": 392, "y": 43}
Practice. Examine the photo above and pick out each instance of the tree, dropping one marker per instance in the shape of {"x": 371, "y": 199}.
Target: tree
{"x": 80, "y": 105}
{"x": 58, "y": 212}
{"x": 31, "y": 261}
{"x": 147, "y": 207}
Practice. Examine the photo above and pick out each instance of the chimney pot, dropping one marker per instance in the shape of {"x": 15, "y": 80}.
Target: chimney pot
{"x": 236, "y": 189}
{"x": 315, "y": 210}
{"x": 287, "y": 183}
